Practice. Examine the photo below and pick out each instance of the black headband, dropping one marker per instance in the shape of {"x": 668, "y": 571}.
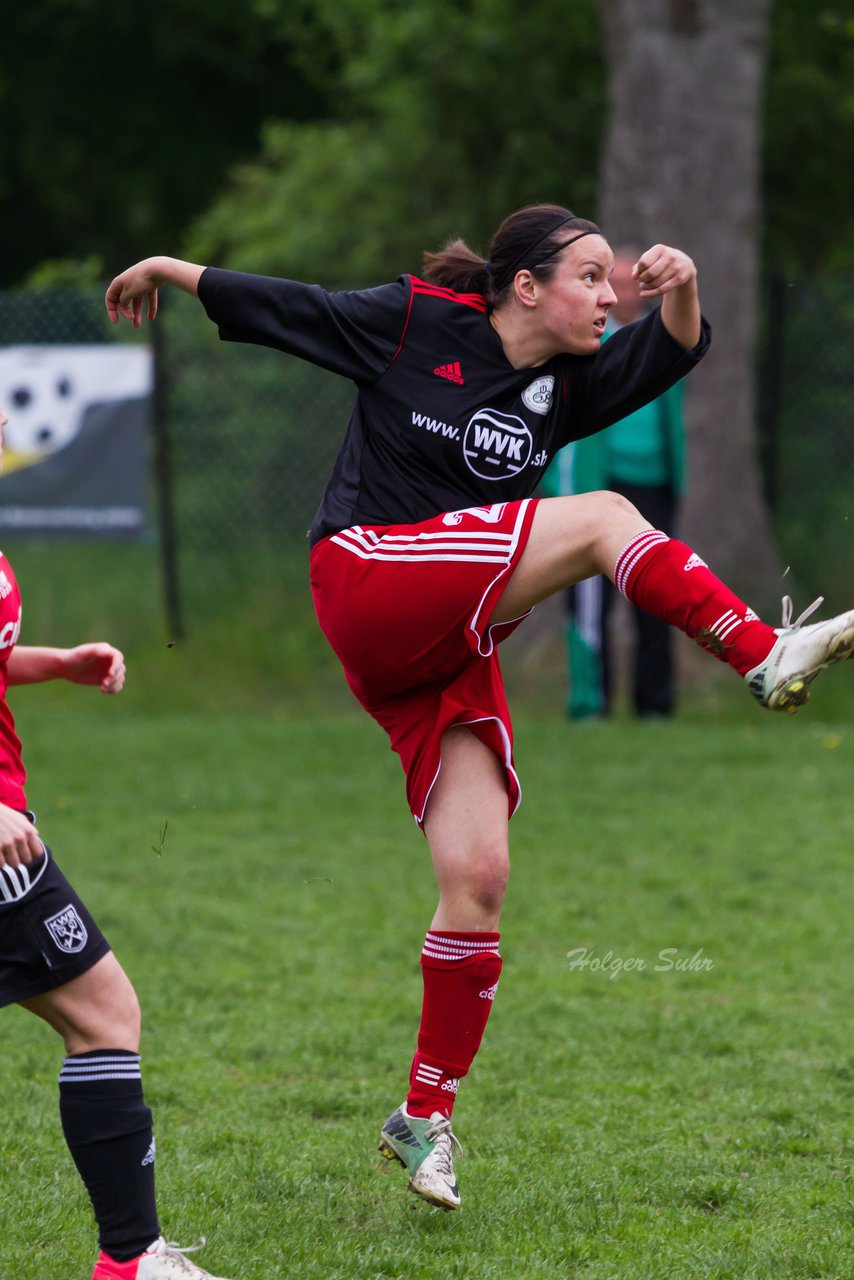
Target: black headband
{"x": 507, "y": 275}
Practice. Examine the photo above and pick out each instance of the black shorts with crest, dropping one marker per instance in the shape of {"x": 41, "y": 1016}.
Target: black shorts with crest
{"x": 47, "y": 937}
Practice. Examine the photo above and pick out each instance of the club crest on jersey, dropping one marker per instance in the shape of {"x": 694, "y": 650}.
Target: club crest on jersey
{"x": 67, "y": 930}
{"x": 538, "y": 396}
{"x": 496, "y": 445}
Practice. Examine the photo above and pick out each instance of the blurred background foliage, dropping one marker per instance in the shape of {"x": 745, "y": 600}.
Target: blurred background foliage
{"x": 337, "y": 139}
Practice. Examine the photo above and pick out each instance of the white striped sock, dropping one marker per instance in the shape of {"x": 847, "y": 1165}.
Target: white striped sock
{"x": 79, "y": 1069}
{"x": 633, "y": 552}
{"x": 443, "y": 946}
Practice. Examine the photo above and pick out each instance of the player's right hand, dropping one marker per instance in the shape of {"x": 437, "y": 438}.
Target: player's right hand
{"x": 128, "y": 291}
{"x": 19, "y": 839}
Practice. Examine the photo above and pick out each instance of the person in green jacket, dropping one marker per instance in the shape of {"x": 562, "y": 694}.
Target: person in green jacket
{"x": 643, "y": 458}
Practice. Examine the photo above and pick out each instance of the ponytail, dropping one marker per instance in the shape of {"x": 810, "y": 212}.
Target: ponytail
{"x": 457, "y": 267}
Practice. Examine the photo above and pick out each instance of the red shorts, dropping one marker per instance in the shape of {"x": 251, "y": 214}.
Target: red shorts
{"x": 406, "y": 608}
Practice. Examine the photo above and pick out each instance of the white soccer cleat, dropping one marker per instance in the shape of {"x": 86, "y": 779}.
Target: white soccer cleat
{"x": 425, "y": 1148}
{"x": 782, "y": 681}
{"x": 162, "y": 1260}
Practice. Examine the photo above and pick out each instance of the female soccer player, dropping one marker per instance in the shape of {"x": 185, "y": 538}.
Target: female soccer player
{"x": 55, "y": 961}
{"x": 428, "y": 549}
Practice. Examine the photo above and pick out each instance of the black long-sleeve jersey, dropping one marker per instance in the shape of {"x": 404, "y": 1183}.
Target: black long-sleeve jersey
{"x": 442, "y": 420}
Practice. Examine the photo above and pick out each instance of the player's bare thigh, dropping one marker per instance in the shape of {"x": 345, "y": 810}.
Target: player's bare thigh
{"x": 97, "y": 1010}
{"x": 570, "y": 539}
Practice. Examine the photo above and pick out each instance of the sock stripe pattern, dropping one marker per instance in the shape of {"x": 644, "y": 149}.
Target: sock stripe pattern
{"x": 726, "y": 623}
{"x": 639, "y": 546}
{"x": 460, "y": 972}
{"x": 431, "y": 1076}
{"x": 109, "y": 1067}
{"x": 445, "y": 946}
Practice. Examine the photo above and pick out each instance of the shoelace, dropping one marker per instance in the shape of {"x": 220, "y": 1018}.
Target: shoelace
{"x": 788, "y": 610}
{"x": 169, "y": 1249}
{"x": 444, "y": 1150}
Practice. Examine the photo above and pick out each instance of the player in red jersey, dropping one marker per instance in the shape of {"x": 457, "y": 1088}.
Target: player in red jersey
{"x": 55, "y": 961}
{"x": 428, "y": 547}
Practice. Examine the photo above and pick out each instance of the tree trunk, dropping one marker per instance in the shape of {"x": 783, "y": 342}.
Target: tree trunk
{"x": 681, "y": 166}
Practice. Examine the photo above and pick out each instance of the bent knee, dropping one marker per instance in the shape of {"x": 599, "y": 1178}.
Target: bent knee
{"x": 612, "y": 504}
{"x": 487, "y": 879}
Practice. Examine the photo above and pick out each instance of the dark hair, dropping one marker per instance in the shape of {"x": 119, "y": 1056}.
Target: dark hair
{"x": 530, "y": 238}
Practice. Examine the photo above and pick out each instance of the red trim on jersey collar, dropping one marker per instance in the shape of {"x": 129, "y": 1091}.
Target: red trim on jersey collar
{"x": 405, "y": 327}
{"x": 474, "y": 300}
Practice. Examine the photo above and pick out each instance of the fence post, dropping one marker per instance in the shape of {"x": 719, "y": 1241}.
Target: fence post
{"x": 161, "y": 431}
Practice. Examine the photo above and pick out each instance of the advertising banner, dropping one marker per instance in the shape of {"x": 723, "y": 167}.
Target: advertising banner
{"x": 75, "y": 454}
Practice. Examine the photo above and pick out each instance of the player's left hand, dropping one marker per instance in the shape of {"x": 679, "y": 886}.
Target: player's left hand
{"x": 96, "y": 663}
{"x": 661, "y": 269}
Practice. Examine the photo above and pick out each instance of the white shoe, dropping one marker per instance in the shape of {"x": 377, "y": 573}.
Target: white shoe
{"x": 782, "y": 681}
{"x": 161, "y": 1261}
{"x": 425, "y": 1148}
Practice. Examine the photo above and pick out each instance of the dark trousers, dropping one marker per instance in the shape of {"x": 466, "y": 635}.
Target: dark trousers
{"x": 653, "y": 691}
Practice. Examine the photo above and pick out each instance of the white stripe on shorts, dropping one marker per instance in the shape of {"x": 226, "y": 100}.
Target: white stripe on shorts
{"x": 16, "y": 882}
{"x": 472, "y": 545}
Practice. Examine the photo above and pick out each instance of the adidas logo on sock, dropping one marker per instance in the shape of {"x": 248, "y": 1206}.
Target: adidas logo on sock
{"x": 694, "y": 562}
{"x": 452, "y": 372}
{"x": 148, "y": 1158}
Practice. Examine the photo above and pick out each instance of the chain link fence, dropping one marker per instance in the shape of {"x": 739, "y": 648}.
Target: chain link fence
{"x": 243, "y": 439}
{"x": 254, "y": 434}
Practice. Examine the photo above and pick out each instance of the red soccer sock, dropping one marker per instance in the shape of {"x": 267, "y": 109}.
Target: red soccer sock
{"x": 460, "y": 972}
{"x": 666, "y": 578}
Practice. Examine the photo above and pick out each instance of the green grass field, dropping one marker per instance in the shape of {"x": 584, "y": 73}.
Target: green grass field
{"x": 241, "y": 835}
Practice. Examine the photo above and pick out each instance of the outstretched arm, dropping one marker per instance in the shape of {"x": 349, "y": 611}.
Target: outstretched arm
{"x": 670, "y": 274}
{"x": 130, "y": 289}
{"x": 98, "y": 663}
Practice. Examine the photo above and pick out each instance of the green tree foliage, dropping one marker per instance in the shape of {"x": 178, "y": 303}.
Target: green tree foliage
{"x": 446, "y": 116}
{"x": 120, "y": 119}
{"x": 338, "y": 138}
{"x": 809, "y": 137}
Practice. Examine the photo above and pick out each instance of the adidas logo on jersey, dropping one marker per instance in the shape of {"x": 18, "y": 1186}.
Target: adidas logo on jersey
{"x": 452, "y": 372}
